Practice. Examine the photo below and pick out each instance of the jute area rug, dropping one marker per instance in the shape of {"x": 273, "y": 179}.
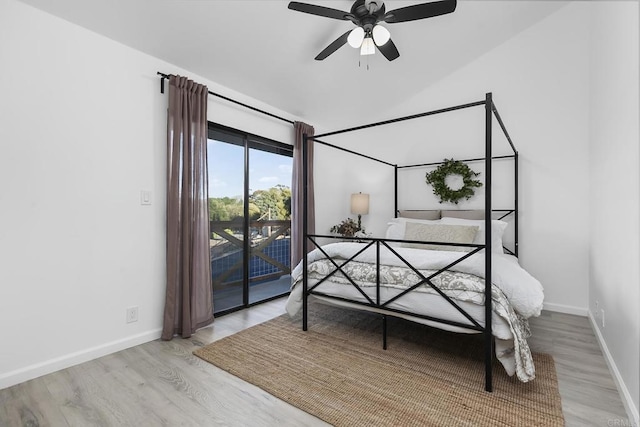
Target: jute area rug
{"x": 338, "y": 371}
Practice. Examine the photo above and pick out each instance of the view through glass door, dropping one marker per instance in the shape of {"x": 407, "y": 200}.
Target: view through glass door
{"x": 250, "y": 218}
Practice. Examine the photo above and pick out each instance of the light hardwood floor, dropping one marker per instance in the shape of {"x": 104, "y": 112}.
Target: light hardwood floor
{"x": 162, "y": 383}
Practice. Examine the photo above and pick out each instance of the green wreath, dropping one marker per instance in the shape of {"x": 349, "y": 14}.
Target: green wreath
{"x": 453, "y": 167}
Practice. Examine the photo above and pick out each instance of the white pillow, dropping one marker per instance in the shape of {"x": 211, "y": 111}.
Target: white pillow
{"x": 445, "y": 233}
{"x": 497, "y": 230}
{"x": 396, "y": 226}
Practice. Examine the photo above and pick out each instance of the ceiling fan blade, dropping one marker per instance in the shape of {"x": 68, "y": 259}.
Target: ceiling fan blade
{"x": 389, "y": 50}
{"x": 337, "y": 43}
{"x": 327, "y": 12}
{"x": 420, "y": 11}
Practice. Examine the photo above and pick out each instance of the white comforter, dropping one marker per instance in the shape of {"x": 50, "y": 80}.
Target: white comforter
{"x": 523, "y": 291}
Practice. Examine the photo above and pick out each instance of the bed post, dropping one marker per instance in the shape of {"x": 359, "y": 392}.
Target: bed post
{"x": 515, "y": 161}
{"x": 305, "y": 217}
{"x": 384, "y": 331}
{"x": 395, "y": 190}
{"x": 488, "y": 333}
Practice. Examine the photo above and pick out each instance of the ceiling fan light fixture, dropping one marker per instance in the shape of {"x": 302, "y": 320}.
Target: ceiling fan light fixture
{"x": 367, "y": 48}
{"x": 381, "y": 35}
{"x": 356, "y": 36}
{"x": 365, "y": 15}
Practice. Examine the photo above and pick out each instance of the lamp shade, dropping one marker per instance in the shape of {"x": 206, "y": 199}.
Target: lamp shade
{"x": 360, "y": 204}
{"x": 380, "y": 35}
{"x": 367, "y": 48}
{"x": 356, "y": 36}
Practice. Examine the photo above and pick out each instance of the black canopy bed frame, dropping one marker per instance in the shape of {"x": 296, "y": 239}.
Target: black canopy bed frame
{"x": 383, "y": 307}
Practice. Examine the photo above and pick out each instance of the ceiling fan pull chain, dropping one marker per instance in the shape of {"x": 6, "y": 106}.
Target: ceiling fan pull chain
{"x": 360, "y": 63}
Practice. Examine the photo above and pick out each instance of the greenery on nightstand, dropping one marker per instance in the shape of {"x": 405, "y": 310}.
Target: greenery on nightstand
{"x": 347, "y": 228}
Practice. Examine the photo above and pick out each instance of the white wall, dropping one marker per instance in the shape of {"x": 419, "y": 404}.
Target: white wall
{"x": 540, "y": 85}
{"x": 614, "y": 255}
{"x": 83, "y": 131}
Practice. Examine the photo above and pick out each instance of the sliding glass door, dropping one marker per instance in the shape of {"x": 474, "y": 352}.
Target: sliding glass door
{"x": 226, "y": 159}
{"x": 249, "y": 210}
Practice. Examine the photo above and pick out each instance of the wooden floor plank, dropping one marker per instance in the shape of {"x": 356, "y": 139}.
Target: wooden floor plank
{"x": 31, "y": 404}
{"x": 589, "y": 394}
{"x": 162, "y": 383}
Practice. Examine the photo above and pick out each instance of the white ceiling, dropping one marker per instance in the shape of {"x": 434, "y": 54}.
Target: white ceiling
{"x": 262, "y": 49}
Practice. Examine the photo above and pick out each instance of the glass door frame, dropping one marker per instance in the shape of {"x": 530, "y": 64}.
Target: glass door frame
{"x": 250, "y": 141}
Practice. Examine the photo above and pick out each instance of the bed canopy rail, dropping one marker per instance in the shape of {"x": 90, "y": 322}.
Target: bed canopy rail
{"x": 490, "y": 112}
{"x": 402, "y": 119}
{"x": 397, "y": 167}
{"x": 346, "y": 150}
{"x": 478, "y": 159}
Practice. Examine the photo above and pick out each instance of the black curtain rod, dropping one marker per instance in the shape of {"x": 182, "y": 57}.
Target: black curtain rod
{"x": 166, "y": 76}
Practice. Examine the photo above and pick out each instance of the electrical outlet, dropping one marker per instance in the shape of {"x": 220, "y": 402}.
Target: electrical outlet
{"x": 597, "y": 310}
{"x": 602, "y": 316}
{"x": 132, "y": 314}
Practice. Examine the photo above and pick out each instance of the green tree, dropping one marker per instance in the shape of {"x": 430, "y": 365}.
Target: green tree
{"x": 225, "y": 208}
{"x": 274, "y": 203}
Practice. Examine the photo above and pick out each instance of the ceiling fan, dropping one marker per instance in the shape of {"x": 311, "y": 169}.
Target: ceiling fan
{"x": 367, "y": 14}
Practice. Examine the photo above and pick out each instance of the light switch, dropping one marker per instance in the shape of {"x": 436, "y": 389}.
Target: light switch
{"x": 145, "y": 197}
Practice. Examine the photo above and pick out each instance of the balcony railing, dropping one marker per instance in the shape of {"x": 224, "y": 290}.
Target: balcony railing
{"x": 270, "y": 251}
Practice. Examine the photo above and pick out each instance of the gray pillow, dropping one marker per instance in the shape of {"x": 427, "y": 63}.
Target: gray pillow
{"x": 439, "y": 233}
{"x": 420, "y": 214}
{"x": 468, "y": 214}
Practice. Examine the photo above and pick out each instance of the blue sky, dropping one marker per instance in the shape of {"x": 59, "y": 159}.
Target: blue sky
{"x": 226, "y": 169}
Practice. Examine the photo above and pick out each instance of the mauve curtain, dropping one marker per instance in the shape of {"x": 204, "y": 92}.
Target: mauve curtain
{"x": 297, "y": 192}
{"x": 189, "y": 300}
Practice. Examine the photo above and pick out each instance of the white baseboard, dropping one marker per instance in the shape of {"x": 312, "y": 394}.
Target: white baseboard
{"x": 627, "y": 401}
{"x": 566, "y": 309}
{"x": 37, "y": 370}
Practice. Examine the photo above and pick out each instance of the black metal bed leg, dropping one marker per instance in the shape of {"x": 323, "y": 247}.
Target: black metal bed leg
{"x": 488, "y": 367}
{"x": 304, "y": 314}
{"x": 305, "y": 231}
{"x": 384, "y": 332}
{"x": 488, "y": 309}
